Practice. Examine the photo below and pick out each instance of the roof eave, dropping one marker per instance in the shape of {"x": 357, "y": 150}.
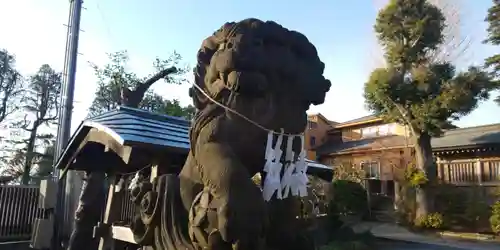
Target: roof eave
{"x": 80, "y": 132}
{"x": 358, "y": 123}
{"x": 465, "y": 147}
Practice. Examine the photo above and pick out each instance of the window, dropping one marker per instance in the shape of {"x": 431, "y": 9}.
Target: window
{"x": 372, "y": 169}
{"x": 381, "y": 130}
{"x": 369, "y": 132}
{"x": 355, "y": 134}
{"x": 387, "y": 129}
{"x": 312, "y": 141}
{"x": 312, "y": 125}
{"x": 351, "y": 134}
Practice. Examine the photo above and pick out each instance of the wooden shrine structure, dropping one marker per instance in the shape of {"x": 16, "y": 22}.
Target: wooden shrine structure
{"x": 127, "y": 140}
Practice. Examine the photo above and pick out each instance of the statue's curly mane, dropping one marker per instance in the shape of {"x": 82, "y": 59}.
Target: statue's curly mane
{"x": 284, "y": 58}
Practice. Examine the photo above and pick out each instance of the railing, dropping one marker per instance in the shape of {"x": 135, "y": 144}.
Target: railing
{"x": 127, "y": 208}
{"x": 493, "y": 171}
{"x": 18, "y": 209}
{"x": 470, "y": 171}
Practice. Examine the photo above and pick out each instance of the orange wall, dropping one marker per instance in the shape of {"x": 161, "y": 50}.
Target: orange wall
{"x": 319, "y": 133}
{"x": 392, "y": 162}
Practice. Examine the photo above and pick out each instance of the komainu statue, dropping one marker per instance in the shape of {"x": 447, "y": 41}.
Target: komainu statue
{"x": 254, "y": 81}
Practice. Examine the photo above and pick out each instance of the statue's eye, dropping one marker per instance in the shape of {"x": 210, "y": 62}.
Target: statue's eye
{"x": 229, "y": 45}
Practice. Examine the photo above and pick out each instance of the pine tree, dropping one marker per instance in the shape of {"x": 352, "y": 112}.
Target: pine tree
{"x": 493, "y": 19}
{"x": 416, "y": 90}
{"x": 40, "y": 104}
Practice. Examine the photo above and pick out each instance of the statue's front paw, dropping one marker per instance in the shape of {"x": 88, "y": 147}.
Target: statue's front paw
{"x": 243, "y": 216}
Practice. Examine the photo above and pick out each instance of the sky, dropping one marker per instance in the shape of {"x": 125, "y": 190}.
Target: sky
{"x": 342, "y": 31}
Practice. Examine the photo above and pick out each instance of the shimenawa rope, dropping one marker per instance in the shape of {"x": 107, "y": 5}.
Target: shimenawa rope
{"x": 241, "y": 115}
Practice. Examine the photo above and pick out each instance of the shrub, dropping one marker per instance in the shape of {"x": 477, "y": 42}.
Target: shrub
{"x": 348, "y": 171}
{"x": 415, "y": 177}
{"x": 257, "y": 179}
{"x": 430, "y": 221}
{"x": 348, "y": 197}
{"x": 462, "y": 207}
{"x": 495, "y": 217}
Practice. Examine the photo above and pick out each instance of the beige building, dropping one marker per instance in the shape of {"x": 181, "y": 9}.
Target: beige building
{"x": 465, "y": 156}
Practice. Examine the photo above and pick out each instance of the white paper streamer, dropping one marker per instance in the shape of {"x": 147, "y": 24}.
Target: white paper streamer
{"x": 272, "y": 182}
{"x": 269, "y": 152}
{"x": 300, "y": 176}
{"x": 287, "y": 179}
{"x": 294, "y": 180}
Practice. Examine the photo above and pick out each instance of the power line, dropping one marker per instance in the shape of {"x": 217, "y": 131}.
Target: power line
{"x": 104, "y": 20}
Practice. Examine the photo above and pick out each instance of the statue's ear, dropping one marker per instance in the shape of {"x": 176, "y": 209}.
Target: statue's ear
{"x": 250, "y": 83}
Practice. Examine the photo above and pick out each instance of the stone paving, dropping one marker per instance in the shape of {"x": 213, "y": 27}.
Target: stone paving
{"x": 402, "y": 245}
{"x": 398, "y": 233}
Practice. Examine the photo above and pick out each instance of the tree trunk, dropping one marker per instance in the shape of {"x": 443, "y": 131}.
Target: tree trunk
{"x": 425, "y": 163}
{"x": 30, "y": 149}
{"x": 397, "y": 195}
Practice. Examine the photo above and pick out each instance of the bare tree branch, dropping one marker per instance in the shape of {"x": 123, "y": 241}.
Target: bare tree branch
{"x": 132, "y": 98}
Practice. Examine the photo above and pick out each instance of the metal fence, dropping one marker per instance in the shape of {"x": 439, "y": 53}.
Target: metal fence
{"x": 18, "y": 210}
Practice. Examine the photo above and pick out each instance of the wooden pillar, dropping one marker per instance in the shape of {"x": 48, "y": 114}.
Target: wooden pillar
{"x": 111, "y": 214}
{"x": 444, "y": 171}
{"x": 479, "y": 171}
{"x": 440, "y": 167}
{"x": 450, "y": 171}
{"x": 487, "y": 171}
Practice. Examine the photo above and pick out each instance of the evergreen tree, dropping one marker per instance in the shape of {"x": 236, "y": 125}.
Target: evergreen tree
{"x": 40, "y": 104}
{"x": 417, "y": 91}
{"x": 493, "y": 19}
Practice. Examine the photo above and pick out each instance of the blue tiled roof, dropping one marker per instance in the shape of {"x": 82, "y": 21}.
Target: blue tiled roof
{"x": 134, "y": 126}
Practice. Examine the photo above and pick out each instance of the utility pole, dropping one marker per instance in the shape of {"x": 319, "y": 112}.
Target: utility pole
{"x": 66, "y": 186}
